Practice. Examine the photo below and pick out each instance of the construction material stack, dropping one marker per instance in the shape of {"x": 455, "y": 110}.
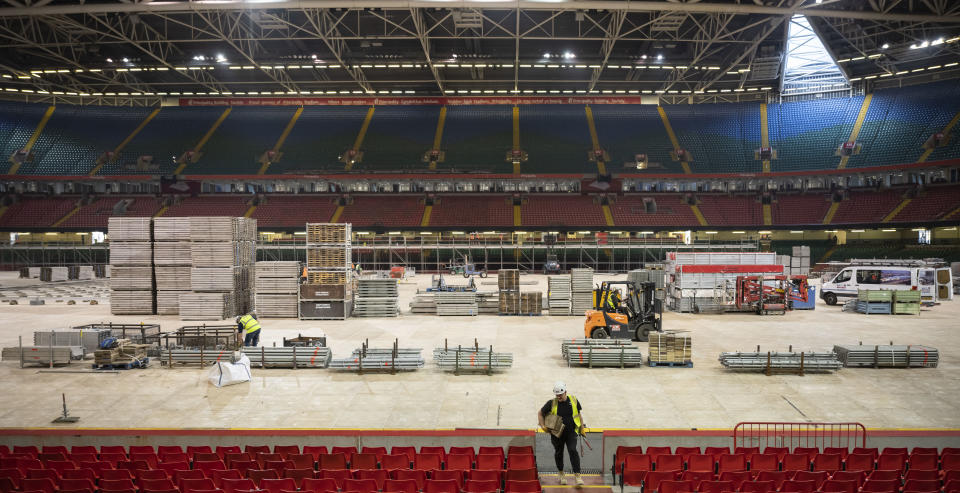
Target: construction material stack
{"x": 887, "y": 356}
{"x": 124, "y": 354}
{"x": 593, "y": 353}
{"x": 172, "y": 262}
{"x": 54, "y": 274}
{"x": 132, "y": 285}
{"x": 871, "y": 301}
{"x": 471, "y": 358}
{"x": 800, "y": 261}
{"x": 456, "y": 303}
{"x": 670, "y": 349}
{"x": 558, "y": 294}
{"x": 376, "y": 298}
{"x": 581, "y": 290}
{"x": 906, "y": 302}
{"x": 531, "y": 303}
{"x": 508, "y": 282}
{"x": 222, "y": 251}
{"x": 328, "y": 291}
{"x": 709, "y": 279}
{"x": 390, "y": 360}
{"x": 277, "y": 284}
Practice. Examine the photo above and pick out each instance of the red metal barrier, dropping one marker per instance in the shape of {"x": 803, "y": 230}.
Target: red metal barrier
{"x": 820, "y": 435}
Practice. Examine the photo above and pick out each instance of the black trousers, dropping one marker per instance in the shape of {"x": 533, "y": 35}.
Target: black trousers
{"x": 569, "y": 438}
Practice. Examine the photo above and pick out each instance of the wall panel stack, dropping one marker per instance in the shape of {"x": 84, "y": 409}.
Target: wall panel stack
{"x": 222, "y": 253}
{"x": 581, "y": 288}
{"x": 328, "y": 291}
{"x": 508, "y": 281}
{"x": 276, "y": 286}
{"x": 132, "y": 287}
{"x": 800, "y": 261}
{"x": 558, "y": 294}
{"x": 376, "y": 298}
{"x": 172, "y": 261}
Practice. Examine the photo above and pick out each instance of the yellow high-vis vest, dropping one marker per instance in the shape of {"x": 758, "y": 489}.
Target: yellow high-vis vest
{"x": 250, "y": 324}
{"x": 576, "y": 412}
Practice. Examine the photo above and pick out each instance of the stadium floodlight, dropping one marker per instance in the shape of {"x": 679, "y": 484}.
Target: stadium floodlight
{"x": 938, "y": 41}
{"x": 885, "y": 46}
{"x": 109, "y": 60}
{"x": 126, "y": 60}
{"x": 567, "y": 55}
{"x": 659, "y": 57}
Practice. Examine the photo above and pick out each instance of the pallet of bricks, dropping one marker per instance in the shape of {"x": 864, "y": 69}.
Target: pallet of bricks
{"x": 508, "y": 282}
{"x": 132, "y": 288}
{"x": 222, "y": 252}
{"x": 670, "y": 349}
{"x": 172, "y": 262}
{"x": 327, "y": 293}
{"x": 276, "y": 287}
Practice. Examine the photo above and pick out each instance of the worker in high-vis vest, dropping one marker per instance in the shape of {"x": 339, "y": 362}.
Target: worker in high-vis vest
{"x": 569, "y": 410}
{"x": 249, "y": 326}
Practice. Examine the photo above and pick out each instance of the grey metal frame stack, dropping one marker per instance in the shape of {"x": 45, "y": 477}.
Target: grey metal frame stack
{"x": 172, "y": 262}
{"x": 132, "y": 286}
{"x": 223, "y": 251}
{"x": 800, "y": 261}
{"x": 471, "y": 358}
{"x": 559, "y": 294}
{"x": 887, "y": 356}
{"x": 390, "y": 360}
{"x": 456, "y": 303}
{"x": 277, "y": 284}
{"x": 328, "y": 291}
{"x": 601, "y": 353}
{"x": 376, "y": 298}
{"x": 581, "y": 290}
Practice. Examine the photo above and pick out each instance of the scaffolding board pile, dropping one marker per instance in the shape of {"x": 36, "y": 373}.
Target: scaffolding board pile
{"x": 581, "y": 290}
{"x": 454, "y": 303}
{"x": 558, "y": 294}
{"x": 277, "y": 284}
{"x": 771, "y": 362}
{"x": 508, "y": 282}
{"x": 328, "y": 291}
{"x": 172, "y": 262}
{"x": 222, "y": 252}
{"x": 670, "y": 349}
{"x": 887, "y": 356}
{"x": 488, "y": 303}
{"x": 531, "y": 303}
{"x": 132, "y": 288}
{"x": 376, "y": 298}
{"x": 424, "y": 303}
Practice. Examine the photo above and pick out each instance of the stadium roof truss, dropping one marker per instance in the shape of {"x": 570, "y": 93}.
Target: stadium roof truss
{"x": 120, "y": 52}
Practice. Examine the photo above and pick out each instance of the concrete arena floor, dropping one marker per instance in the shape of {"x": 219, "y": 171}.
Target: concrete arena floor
{"x": 705, "y": 396}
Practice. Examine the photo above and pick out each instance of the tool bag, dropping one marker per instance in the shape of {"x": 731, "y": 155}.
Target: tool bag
{"x": 554, "y": 424}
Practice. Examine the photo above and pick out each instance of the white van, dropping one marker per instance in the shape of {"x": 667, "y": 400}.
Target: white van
{"x": 934, "y": 283}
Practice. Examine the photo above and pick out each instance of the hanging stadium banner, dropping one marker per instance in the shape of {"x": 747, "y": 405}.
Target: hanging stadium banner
{"x": 411, "y": 101}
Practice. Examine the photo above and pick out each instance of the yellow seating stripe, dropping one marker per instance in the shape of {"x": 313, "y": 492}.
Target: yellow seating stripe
{"x": 205, "y": 138}
{"x": 33, "y": 137}
{"x": 64, "y": 218}
{"x": 517, "y": 218}
{"x": 122, "y": 144}
{"x": 161, "y": 212}
{"x": 767, "y": 215}
{"x": 438, "y": 135}
{"x": 336, "y": 214}
{"x": 896, "y": 210}
{"x": 425, "y": 220}
{"x": 952, "y": 213}
{"x": 856, "y": 127}
{"x": 696, "y": 212}
{"x": 361, "y": 135}
{"x": 283, "y": 137}
{"x": 250, "y": 211}
{"x": 764, "y": 134}
{"x": 673, "y": 138}
{"x": 946, "y": 131}
{"x": 831, "y": 212}
{"x": 516, "y": 128}
{"x": 601, "y": 166}
{"x": 607, "y": 215}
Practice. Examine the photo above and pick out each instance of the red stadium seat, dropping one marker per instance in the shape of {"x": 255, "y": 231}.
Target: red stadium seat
{"x": 921, "y": 486}
{"x": 635, "y": 469}
{"x": 192, "y": 485}
{"x": 668, "y": 463}
{"x": 377, "y": 451}
{"x": 211, "y": 465}
{"x": 924, "y": 462}
{"x": 473, "y": 486}
{"x": 488, "y": 450}
{"x": 881, "y": 486}
{"x": 837, "y": 486}
{"x": 231, "y": 457}
{"x": 923, "y": 475}
{"x": 346, "y": 451}
{"x": 799, "y": 486}
{"x": 363, "y": 461}
{"x": 457, "y": 476}
{"x": 256, "y": 449}
{"x": 219, "y": 477}
{"x": 116, "y": 474}
{"x": 655, "y": 451}
{"x": 732, "y": 462}
{"x": 125, "y": 484}
{"x": 286, "y": 450}
{"x": 402, "y": 486}
{"x": 818, "y": 477}
{"x": 518, "y": 487}
{"x": 315, "y": 451}
{"x": 715, "y": 486}
{"x": 716, "y": 452}
{"x": 758, "y": 487}
{"x": 302, "y": 461}
{"x": 258, "y": 475}
{"x": 332, "y": 461}
{"x": 843, "y": 452}
{"x": 441, "y": 486}
{"x": 192, "y": 450}
{"x": 418, "y": 476}
{"x": 157, "y": 485}
{"x": 884, "y": 475}
{"x": 338, "y": 475}
{"x": 395, "y": 461}
{"x": 696, "y": 477}
{"x": 486, "y": 475}
{"x": 164, "y": 450}
{"x": 299, "y": 475}
{"x": 857, "y": 477}
{"x": 410, "y": 452}
{"x": 796, "y": 462}
{"x": 515, "y": 461}
{"x": 780, "y": 451}
{"x": 737, "y": 477}
{"x": 172, "y": 467}
{"x": 77, "y": 485}
{"x": 462, "y": 462}
{"x": 236, "y": 485}
{"x": 860, "y": 462}
{"x": 764, "y": 462}
{"x": 871, "y": 451}
{"x": 462, "y": 451}
{"x": 654, "y": 478}
{"x": 701, "y": 462}
{"x": 521, "y": 475}
{"x": 80, "y": 474}
{"x": 427, "y": 461}
{"x": 319, "y": 485}
{"x": 827, "y": 462}
{"x": 520, "y": 450}
{"x": 379, "y": 476}
{"x": 894, "y": 462}
{"x": 278, "y": 485}
{"x": 435, "y": 450}
{"x": 746, "y": 451}
{"x": 674, "y": 486}
{"x": 811, "y": 452}
{"x": 46, "y": 485}
{"x": 180, "y": 475}
{"x": 223, "y": 450}
{"x": 264, "y": 457}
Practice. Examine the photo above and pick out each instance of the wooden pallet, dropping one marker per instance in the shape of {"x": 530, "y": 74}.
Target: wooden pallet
{"x": 327, "y": 277}
{"x": 335, "y": 257}
{"x": 331, "y": 233}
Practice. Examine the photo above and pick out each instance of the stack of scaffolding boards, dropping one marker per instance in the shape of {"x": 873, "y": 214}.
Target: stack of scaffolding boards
{"x": 780, "y": 361}
{"x": 426, "y": 303}
{"x": 872, "y": 301}
{"x": 172, "y": 262}
{"x": 558, "y": 294}
{"x": 328, "y": 291}
{"x": 670, "y": 349}
{"x": 594, "y": 353}
{"x": 508, "y": 282}
{"x": 531, "y": 303}
{"x": 455, "y": 304}
{"x": 702, "y": 279}
{"x": 887, "y": 356}
{"x": 471, "y": 358}
{"x": 125, "y": 354}
{"x": 132, "y": 288}
{"x": 581, "y": 290}
{"x": 222, "y": 253}
{"x": 488, "y": 303}
{"x": 376, "y": 298}
{"x": 277, "y": 285}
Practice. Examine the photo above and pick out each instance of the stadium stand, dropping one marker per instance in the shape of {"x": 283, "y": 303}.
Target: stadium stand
{"x": 472, "y": 211}
{"x": 398, "y": 136}
{"x": 806, "y": 134}
{"x": 231, "y": 205}
{"x": 478, "y": 137}
{"x": 797, "y": 209}
{"x": 96, "y": 213}
{"x": 305, "y": 151}
{"x": 545, "y": 210}
{"x": 930, "y": 204}
{"x": 293, "y": 211}
{"x": 670, "y": 210}
{"x": 384, "y": 211}
{"x": 30, "y": 212}
{"x": 627, "y": 130}
{"x": 556, "y": 139}
{"x": 867, "y": 207}
{"x": 238, "y": 144}
{"x": 720, "y": 137}
{"x": 738, "y": 210}
{"x": 171, "y": 133}
{"x": 17, "y": 123}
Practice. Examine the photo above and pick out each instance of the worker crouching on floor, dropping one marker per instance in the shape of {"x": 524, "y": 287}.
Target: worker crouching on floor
{"x": 249, "y": 326}
{"x": 561, "y": 417}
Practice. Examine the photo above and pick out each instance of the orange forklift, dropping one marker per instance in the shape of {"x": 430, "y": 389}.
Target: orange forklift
{"x": 632, "y": 315}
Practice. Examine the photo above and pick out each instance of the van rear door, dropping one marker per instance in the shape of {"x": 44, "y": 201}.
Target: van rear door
{"x": 944, "y": 284}
{"x": 927, "y": 281}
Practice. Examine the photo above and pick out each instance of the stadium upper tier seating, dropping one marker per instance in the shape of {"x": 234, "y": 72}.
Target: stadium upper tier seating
{"x": 383, "y": 211}
{"x": 721, "y": 138}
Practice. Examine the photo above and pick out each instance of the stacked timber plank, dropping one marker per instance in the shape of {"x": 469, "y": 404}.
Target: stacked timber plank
{"x": 800, "y": 261}
{"x": 581, "y": 289}
{"x": 508, "y": 281}
{"x": 464, "y": 303}
{"x": 887, "y": 356}
{"x": 425, "y": 303}
{"x": 670, "y": 349}
{"x": 277, "y": 284}
{"x": 328, "y": 291}
{"x": 488, "y": 303}
{"x": 132, "y": 285}
{"x": 376, "y": 298}
{"x": 531, "y": 303}
{"x": 172, "y": 262}
{"x": 558, "y": 294}
{"x": 124, "y": 353}
{"x": 222, "y": 253}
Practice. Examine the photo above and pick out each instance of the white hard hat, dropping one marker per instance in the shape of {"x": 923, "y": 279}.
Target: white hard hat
{"x": 559, "y": 388}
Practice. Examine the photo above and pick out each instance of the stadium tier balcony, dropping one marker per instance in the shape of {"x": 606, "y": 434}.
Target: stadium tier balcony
{"x": 477, "y": 137}
{"x": 626, "y": 130}
{"x": 806, "y": 134}
{"x": 31, "y": 212}
{"x": 384, "y": 211}
{"x": 398, "y": 136}
{"x": 320, "y": 136}
{"x": 799, "y": 209}
{"x": 934, "y": 202}
{"x": 671, "y": 210}
{"x": 724, "y": 210}
{"x": 867, "y": 207}
{"x": 97, "y": 213}
{"x": 472, "y": 211}
{"x": 556, "y": 139}
{"x": 294, "y": 211}
{"x": 238, "y": 144}
{"x": 566, "y": 210}
{"x": 721, "y": 137}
